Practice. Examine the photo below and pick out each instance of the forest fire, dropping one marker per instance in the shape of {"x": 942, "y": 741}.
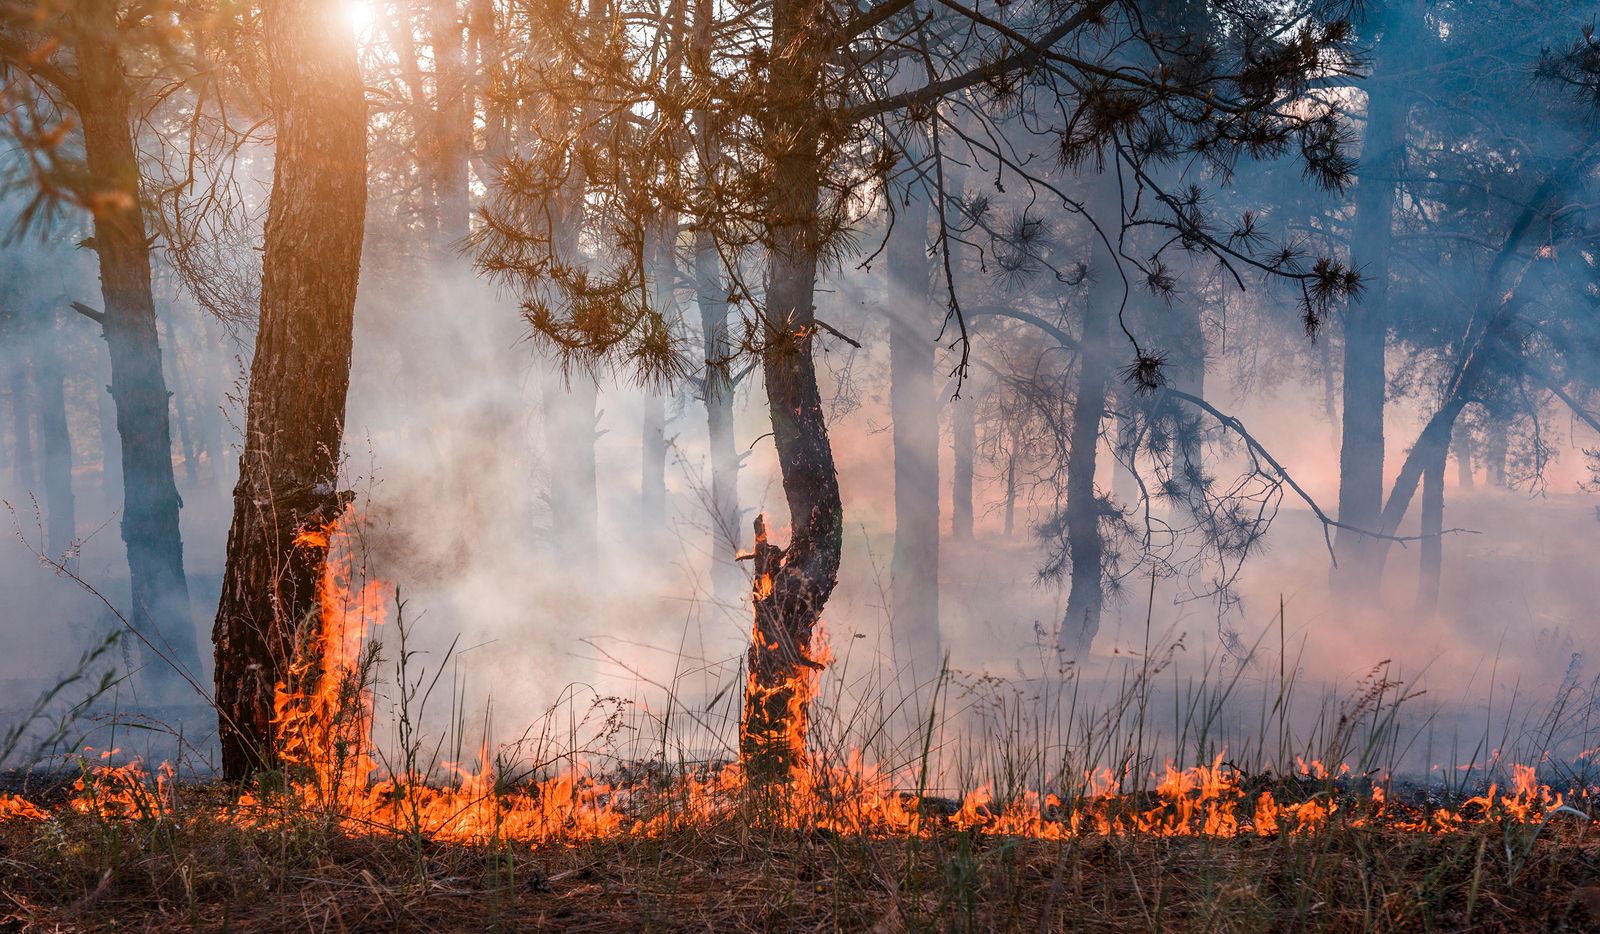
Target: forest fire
{"x": 325, "y": 718}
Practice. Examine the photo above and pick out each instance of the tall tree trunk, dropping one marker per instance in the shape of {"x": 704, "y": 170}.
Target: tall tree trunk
{"x": 1085, "y": 548}
{"x": 1432, "y": 546}
{"x": 570, "y": 430}
{"x": 24, "y": 466}
{"x": 653, "y": 464}
{"x": 711, "y": 299}
{"x": 55, "y": 437}
{"x": 792, "y": 585}
{"x": 183, "y": 394}
{"x": 453, "y": 123}
{"x": 110, "y": 445}
{"x": 963, "y": 444}
{"x": 1011, "y": 487}
{"x": 1464, "y": 456}
{"x": 914, "y": 417}
{"x": 160, "y": 611}
{"x": 1496, "y": 445}
{"x": 1366, "y": 323}
{"x": 300, "y": 373}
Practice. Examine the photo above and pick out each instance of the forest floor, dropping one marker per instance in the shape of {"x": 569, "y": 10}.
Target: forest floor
{"x": 187, "y": 869}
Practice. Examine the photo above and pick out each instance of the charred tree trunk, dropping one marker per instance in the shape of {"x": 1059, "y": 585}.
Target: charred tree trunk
{"x": 1432, "y": 546}
{"x": 55, "y": 438}
{"x": 160, "y": 611}
{"x": 300, "y": 373}
{"x": 791, "y": 588}
{"x": 963, "y": 444}
{"x": 1366, "y": 327}
{"x": 110, "y": 446}
{"x": 914, "y": 566}
{"x": 1085, "y": 547}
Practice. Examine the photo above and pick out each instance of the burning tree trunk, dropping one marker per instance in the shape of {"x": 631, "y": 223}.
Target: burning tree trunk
{"x": 914, "y": 567}
{"x": 299, "y": 374}
{"x": 160, "y": 611}
{"x": 792, "y": 584}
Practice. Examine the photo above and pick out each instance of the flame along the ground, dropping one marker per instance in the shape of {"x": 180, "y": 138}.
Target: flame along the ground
{"x": 324, "y": 719}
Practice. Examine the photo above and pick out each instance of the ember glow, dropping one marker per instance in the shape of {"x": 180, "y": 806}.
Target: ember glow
{"x": 325, "y": 717}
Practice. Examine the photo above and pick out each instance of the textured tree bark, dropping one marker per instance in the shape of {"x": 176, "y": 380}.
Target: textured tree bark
{"x": 1086, "y": 597}
{"x": 300, "y": 373}
{"x": 1366, "y": 328}
{"x": 913, "y": 409}
{"x": 160, "y": 610}
{"x": 793, "y": 585}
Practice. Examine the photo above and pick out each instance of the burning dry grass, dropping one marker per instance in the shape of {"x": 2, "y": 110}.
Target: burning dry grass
{"x": 342, "y": 837}
{"x": 746, "y": 869}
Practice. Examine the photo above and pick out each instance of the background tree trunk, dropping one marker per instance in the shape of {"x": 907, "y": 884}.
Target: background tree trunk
{"x": 1366, "y": 329}
{"x": 963, "y": 444}
{"x": 301, "y": 369}
{"x": 914, "y": 418}
{"x": 55, "y": 437}
{"x": 1431, "y": 551}
{"x": 1086, "y": 598}
{"x": 159, "y": 610}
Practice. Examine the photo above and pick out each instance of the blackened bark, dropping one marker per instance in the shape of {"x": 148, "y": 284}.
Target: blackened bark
{"x": 1366, "y": 324}
{"x": 781, "y": 671}
{"x": 300, "y": 372}
{"x": 914, "y": 566}
{"x": 160, "y": 611}
{"x": 1085, "y": 547}
{"x": 1432, "y": 545}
